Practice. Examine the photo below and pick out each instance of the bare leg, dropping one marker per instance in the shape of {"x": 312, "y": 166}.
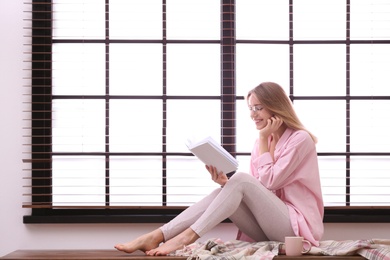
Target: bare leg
{"x": 187, "y": 237}
{"x": 144, "y": 243}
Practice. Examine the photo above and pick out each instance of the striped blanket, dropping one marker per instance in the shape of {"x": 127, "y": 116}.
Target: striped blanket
{"x": 216, "y": 249}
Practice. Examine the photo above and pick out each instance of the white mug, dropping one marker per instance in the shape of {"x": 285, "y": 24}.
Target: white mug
{"x": 295, "y": 246}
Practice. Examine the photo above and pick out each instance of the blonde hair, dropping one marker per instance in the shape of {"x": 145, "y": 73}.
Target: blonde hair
{"x": 273, "y": 98}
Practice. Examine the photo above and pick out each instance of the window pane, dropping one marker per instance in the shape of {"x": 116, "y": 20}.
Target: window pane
{"x": 136, "y": 19}
{"x": 326, "y": 119}
{"x": 81, "y": 19}
{"x": 319, "y": 70}
{"x": 244, "y": 163}
{"x": 253, "y": 20}
{"x": 136, "y": 69}
{"x": 135, "y": 125}
{"x": 370, "y": 19}
{"x": 319, "y": 20}
{"x": 188, "y": 181}
{"x": 246, "y": 128}
{"x": 333, "y": 180}
{"x": 369, "y": 69}
{"x": 370, "y": 181}
{"x": 78, "y": 125}
{"x": 369, "y": 126}
{"x": 193, "y": 20}
{"x": 78, "y": 180}
{"x": 194, "y": 119}
{"x": 261, "y": 62}
{"x": 78, "y": 69}
{"x": 135, "y": 181}
{"x": 193, "y": 69}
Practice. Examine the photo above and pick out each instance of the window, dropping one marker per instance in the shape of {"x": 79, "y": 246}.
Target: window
{"x": 118, "y": 86}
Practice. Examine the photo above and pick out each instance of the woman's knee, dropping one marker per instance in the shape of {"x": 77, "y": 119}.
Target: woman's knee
{"x": 246, "y": 181}
{"x": 242, "y": 176}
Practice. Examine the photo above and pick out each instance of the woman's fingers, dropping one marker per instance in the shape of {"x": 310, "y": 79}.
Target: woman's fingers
{"x": 213, "y": 172}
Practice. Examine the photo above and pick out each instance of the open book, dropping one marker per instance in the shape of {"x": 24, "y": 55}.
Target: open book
{"x": 212, "y": 153}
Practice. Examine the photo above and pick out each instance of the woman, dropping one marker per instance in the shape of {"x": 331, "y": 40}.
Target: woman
{"x": 281, "y": 197}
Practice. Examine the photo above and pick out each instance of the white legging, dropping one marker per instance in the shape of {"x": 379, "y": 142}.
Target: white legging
{"x": 255, "y": 210}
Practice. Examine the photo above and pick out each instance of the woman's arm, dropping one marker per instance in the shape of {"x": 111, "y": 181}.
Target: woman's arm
{"x": 276, "y": 172}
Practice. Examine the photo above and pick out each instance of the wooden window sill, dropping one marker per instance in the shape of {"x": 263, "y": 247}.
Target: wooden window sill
{"x": 116, "y": 255}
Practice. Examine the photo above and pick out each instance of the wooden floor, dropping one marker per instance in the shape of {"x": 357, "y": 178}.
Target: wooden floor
{"x": 115, "y": 255}
{"x": 80, "y": 254}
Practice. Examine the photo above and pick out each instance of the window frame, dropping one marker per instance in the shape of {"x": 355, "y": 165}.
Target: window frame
{"x": 41, "y": 127}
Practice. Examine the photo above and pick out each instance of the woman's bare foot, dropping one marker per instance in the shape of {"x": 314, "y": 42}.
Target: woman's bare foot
{"x": 187, "y": 237}
{"x": 144, "y": 243}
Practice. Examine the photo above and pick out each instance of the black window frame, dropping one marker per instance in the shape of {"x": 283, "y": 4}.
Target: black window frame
{"x": 41, "y": 125}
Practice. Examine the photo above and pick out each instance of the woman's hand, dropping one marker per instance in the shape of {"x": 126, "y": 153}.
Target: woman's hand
{"x": 218, "y": 177}
{"x": 273, "y": 124}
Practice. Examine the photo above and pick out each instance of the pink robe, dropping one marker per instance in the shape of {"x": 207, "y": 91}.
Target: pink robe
{"x": 295, "y": 179}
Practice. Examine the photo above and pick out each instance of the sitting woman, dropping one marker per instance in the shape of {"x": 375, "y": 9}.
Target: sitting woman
{"x": 280, "y": 197}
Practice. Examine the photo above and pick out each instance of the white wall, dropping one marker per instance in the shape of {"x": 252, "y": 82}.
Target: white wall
{"x": 16, "y": 235}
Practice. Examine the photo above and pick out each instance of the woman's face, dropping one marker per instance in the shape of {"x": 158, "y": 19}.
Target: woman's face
{"x": 258, "y": 114}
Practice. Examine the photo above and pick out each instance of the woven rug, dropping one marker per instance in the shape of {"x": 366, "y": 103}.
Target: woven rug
{"x": 216, "y": 249}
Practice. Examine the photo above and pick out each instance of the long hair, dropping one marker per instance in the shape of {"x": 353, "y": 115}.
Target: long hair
{"x": 273, "y": 98}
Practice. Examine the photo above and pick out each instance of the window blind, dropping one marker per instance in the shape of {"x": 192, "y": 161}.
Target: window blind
{"x": 102, "y": 104}
{"x": 117, "y": 88}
